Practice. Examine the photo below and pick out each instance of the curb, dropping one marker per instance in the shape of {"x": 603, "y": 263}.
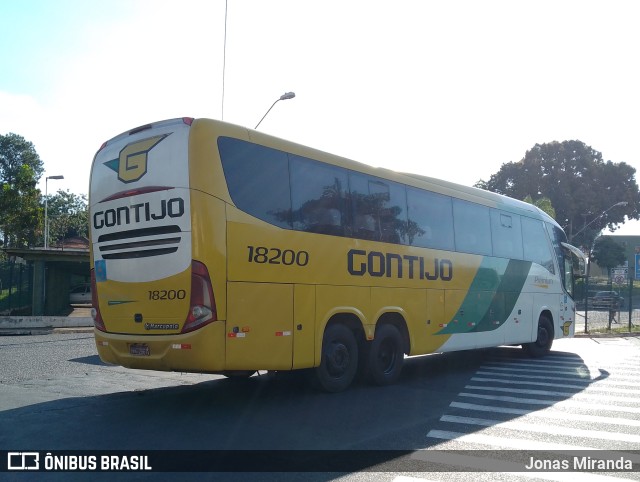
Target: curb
{"x": 43, "y": 325}
{"x": 606, "y": 335}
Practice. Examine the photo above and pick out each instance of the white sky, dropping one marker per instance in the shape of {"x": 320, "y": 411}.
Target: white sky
{"x": 450, "y": 89}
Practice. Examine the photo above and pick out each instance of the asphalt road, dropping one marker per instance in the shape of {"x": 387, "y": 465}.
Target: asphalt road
{"x": 55, "y": 394}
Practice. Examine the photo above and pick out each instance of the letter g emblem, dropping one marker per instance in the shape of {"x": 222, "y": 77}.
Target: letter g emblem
{"x": 132, "y": 162}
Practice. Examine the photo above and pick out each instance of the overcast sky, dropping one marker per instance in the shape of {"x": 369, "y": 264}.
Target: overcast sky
{"x": 449, "y": 89}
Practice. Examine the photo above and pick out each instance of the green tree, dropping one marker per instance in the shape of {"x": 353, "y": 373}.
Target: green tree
{"x": 580, "y": 185}
{"x": 20, "y": 211}
{"x": 68, "y": 215}
{"x": 607, "y": 253}
{"x": 543, "y": 203}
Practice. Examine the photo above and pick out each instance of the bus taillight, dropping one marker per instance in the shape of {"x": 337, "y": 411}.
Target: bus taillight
{"x": 95, "y": 308}
{"x": 202, "y": 307}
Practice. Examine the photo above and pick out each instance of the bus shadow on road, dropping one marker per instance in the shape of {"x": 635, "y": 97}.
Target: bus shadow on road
{"x": 283, "y": 412}
{"x": 89, "y": 360}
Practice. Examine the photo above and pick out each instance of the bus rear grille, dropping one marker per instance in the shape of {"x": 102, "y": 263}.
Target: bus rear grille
{"x": 140, "y": 243}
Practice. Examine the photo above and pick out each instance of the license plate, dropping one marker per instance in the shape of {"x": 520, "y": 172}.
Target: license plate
{"x": 139, "y": 349}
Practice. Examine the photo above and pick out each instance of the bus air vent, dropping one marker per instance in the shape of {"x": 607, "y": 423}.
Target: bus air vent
{"x": 140, "y": 243}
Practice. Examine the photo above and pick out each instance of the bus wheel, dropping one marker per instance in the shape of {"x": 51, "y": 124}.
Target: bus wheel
{"x": 385, "y": 356}
{"x": 339, "y": 360}
{"x": 543, "y": 343}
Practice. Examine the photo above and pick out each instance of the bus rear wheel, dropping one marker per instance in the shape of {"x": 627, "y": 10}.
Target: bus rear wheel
{"x": 339, "y": 359}
{"x": 543, "y": 342}
{"x": 386, "y": 356}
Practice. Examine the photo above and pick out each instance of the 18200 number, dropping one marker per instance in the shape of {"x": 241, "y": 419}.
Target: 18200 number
{"x": 288, "y": 257}
{"x": 157, "y": 295}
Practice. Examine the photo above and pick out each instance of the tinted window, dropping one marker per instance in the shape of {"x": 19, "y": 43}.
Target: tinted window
{"x": 318, "y": 196}
{"x": 506, "y": 234}
{"x": 379, "y": 209}
{"x": 536, "y": 244}
{"x": 472, "y": 227}
{"x": 557, "y": 237}
{"x": 430, "y": 219}
{"x": 258, "y": 180}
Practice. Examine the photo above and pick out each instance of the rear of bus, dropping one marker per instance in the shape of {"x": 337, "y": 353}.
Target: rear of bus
{"x": 153, "y": 291}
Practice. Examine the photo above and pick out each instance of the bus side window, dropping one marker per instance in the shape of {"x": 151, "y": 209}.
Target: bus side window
{"x": 257, "y": 179}
{"x": 317, "y": 196}
{"x": 536, "y": 244}
{"x": 472, "y": 227}
{"x": 430, "y": 222}
{"x": 506, "y": 234}
{"x": 379, "y": 209}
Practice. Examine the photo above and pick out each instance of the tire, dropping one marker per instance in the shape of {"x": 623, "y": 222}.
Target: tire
{"x": 386, "y": 356}
{"x": 339, "y": 359}
{"x": 543, "y": 343}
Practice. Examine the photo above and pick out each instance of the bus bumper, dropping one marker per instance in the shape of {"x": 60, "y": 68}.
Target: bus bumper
{"x": 199, "y": 351}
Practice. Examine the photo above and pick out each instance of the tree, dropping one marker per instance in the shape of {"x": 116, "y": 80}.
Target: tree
{"x": 68, "y": 215}
{"x": 20, "y": 170}
{"x": 580, "y": 185}
{"x": 543, "y": 203}
{"x": 607, "y": 253}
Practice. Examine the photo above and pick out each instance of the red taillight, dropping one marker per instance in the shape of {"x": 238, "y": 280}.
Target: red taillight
{"x": 188, "y": 120}
{"x": 202, "y": 307}
{"x": 95, "y": 310}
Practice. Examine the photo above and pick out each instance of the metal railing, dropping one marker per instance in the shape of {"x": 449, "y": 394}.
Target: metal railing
{"x": 604, "y": 306}
{"x": 16, "y": 286}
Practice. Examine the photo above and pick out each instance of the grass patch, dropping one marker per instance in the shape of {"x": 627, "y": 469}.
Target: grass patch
{"x": 618, "y": 329}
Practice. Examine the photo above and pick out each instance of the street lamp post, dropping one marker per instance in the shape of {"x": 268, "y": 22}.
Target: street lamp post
{"x": 46, "y": 208}
{"x": 621, "y": 203}
{"x": 285, "y": 96}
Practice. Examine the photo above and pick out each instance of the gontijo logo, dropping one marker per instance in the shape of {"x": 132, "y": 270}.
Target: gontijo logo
{"x": 131, "y": 165}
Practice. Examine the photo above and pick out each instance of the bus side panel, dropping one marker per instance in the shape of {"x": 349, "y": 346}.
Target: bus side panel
{"x": 410, "y": 303}
{"x": 546, "y": 302}
{"x": 518, "y": 326}
{"x": 331, "y": 300}
{"x": 259, "y": 326}
{"x": 304, "y": 309}
{"x": 432, "y": 342}
{"x": 208, "y": 237}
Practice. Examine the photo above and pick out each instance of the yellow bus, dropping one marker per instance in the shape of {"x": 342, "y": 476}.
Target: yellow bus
{"x": 219, "y": 249}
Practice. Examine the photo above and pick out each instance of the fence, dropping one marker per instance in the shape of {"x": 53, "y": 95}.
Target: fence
{"x": 605, "y": 306}
{"x": 16, "y": 286}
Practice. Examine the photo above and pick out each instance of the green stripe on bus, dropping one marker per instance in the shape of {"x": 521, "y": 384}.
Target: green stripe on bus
{"x": 491, "y": 296}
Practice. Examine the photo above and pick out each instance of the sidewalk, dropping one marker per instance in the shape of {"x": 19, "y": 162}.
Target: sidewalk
{"x": 78, "y": 321}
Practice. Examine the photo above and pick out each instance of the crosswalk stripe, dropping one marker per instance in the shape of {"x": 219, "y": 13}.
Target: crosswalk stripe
{"x": 549, "y": 413}
{"x": 582, "y": 370}
{"x": 507, "y": 443}
{"x": 547, "y": 429}
{"x": 583, "y": 381}
{"x": 552, "y": 393}
{"x": 586, "y": 375}
{"x": 568, "y": 403}
{"x": 561, "y": 385}
{"x": 592, "y": 397}
{"x": 545, "y": 365}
